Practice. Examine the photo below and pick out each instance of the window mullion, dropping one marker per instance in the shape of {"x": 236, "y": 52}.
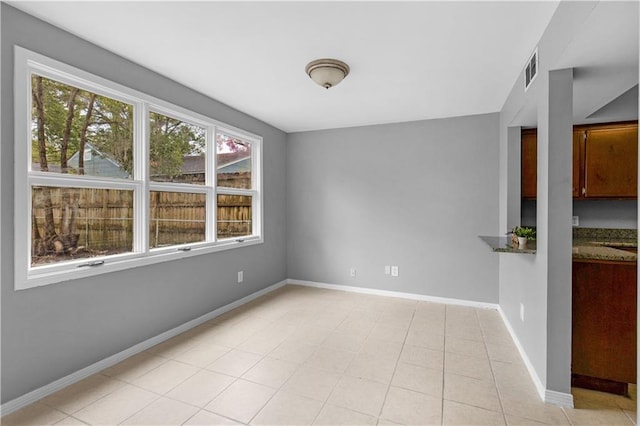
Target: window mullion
{"x": 141, "y": 173}
{"x": 211, "y": 176}
{"x": 255, "y": 209}
{"x": 172, "y": 187}
{"x": 237, "y": 191}
{"x": 68, "y": 181}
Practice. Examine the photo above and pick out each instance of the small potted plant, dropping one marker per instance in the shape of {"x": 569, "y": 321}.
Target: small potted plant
{"x": 523, "y": 234}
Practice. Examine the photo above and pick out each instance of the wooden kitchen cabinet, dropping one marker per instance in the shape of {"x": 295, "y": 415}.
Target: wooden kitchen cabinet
{"x": 604, "y": 325}
{"x": 578, "y": 164}
{"x": 611, "y": 161}
{"x": 605, "y": 161}
{"x": 529, "y": 165}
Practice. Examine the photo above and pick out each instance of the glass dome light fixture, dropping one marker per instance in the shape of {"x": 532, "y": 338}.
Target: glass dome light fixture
{"x": 327, "y": 72}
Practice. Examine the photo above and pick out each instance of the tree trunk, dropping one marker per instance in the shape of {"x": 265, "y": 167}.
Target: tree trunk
{"x": 37, "y": 247}
{"x": 65, "y": 220}
{"x": 42, "y": 146}
{"x": 73, "y": 228}
{"x": 83, "y": 134}
{"x": 67, "y": 129}
{"x": 51, "y": 239}
{"x": 70, "y": 203}
{"x": 50, "y": 235}
{"x": 66, "y": 197}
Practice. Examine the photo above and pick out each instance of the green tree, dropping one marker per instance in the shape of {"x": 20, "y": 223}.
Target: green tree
{"x": 65, "y": 120}
{"x": 112, "y": 130}
{"x": 170, "y": 141}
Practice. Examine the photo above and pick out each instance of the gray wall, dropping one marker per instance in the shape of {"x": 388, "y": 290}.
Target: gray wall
{"x": 415, "y": 194}
{"x": 531, "y": 280}
{"x": 49, "y": 332}
{"x": 593, "y": 213}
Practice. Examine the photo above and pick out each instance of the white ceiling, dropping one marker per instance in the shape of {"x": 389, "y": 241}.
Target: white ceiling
{"x": 604, "y": 53}
{"x": 409, "y": 60}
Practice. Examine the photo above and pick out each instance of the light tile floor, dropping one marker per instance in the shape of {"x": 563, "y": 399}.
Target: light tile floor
{"x": 305, "y": 356}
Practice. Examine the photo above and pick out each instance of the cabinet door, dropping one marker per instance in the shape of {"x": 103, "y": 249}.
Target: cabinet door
{"x": 604, "y": 320}
{"x": 611, "y": 162}
{"x": 578, "y": 169}
{"x": 529, "y": 166}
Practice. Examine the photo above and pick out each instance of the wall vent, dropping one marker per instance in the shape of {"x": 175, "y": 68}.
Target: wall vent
{"x": 531, "y": 69}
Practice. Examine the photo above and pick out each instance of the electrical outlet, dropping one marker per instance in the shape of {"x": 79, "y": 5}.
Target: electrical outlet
{"x": 395, "y": 271}
{"x": 352, "y": 272}
{"x": 575, "y": 220}
{"x": 521, "y": 312}
{"x": 387, "y": 270}
{"x": 240, "y": 276}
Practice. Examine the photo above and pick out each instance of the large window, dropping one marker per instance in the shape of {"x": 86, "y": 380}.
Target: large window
{"x": 108, "y": 178}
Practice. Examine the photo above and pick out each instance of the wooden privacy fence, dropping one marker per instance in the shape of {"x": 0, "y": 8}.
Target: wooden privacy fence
{"x": 104, "y": 217}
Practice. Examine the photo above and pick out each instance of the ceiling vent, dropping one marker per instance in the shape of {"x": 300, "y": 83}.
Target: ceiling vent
{"x": 531, "y": 69}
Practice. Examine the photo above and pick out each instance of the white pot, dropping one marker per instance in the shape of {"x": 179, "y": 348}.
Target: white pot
{"x": 522, "y": 242}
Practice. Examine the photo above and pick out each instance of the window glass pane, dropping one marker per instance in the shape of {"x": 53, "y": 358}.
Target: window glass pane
{"x": 75, "y": 223}
{"x": 233, "y": 162}
{"x": 78, "y": 132}
{"x": 176, "y": 218}
{"x": 234, "y": 215}
{"x": 177, "y": 150}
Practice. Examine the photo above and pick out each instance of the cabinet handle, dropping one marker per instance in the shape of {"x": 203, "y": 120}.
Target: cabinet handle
{"x": 584, "y": 191}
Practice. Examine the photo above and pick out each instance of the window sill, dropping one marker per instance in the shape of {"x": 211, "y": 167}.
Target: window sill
{"x": 41, "y": 277}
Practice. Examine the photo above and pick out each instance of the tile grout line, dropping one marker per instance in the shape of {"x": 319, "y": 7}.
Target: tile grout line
{"x": 485, "y": 331}
{"x": 235, "y": 347}
{"x": 200, "y": 369}
{"x": 566, "y": 416}
{"x": 279, "y": 389}
{"x": 203, "y": 369}
{"x": 324, "y": 403}
{"x": 493, "y": 375}
{"x": 160, "y": 395}
{"x": 444, "y": 360}
{"x": 79, "y": 409}
{"x": 395, "y": 368}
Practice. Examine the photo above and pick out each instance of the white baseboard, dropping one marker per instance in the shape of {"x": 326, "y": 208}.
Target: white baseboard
{"x": 398, "y": 294}
{"x": 37, "y": 394}
{"x": 527, "y": 362}
{"x": 558, "y": 398}
{"x": 548, "y": 396}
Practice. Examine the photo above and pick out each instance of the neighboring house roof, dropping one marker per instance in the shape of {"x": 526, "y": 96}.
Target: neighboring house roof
{"x": 227, "y": 163}
{"x": 231, "y": 157}
{"x": 241, "y": 165}
{"x": 98, "y": 163}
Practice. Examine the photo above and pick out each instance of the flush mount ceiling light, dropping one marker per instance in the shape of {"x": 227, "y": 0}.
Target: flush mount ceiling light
{"x": 327, "y": 72}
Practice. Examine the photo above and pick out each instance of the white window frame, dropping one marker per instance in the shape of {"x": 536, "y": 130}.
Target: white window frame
{"x": 253, "y": 192}
{"x": 28, "y": 62}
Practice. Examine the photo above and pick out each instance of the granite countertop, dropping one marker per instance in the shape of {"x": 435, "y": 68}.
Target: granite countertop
{"x": 604, "y": 250}
{"x": 605, "y": 244}
{"x": 588, "y": 244}
{"x": 503, "y": 244}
